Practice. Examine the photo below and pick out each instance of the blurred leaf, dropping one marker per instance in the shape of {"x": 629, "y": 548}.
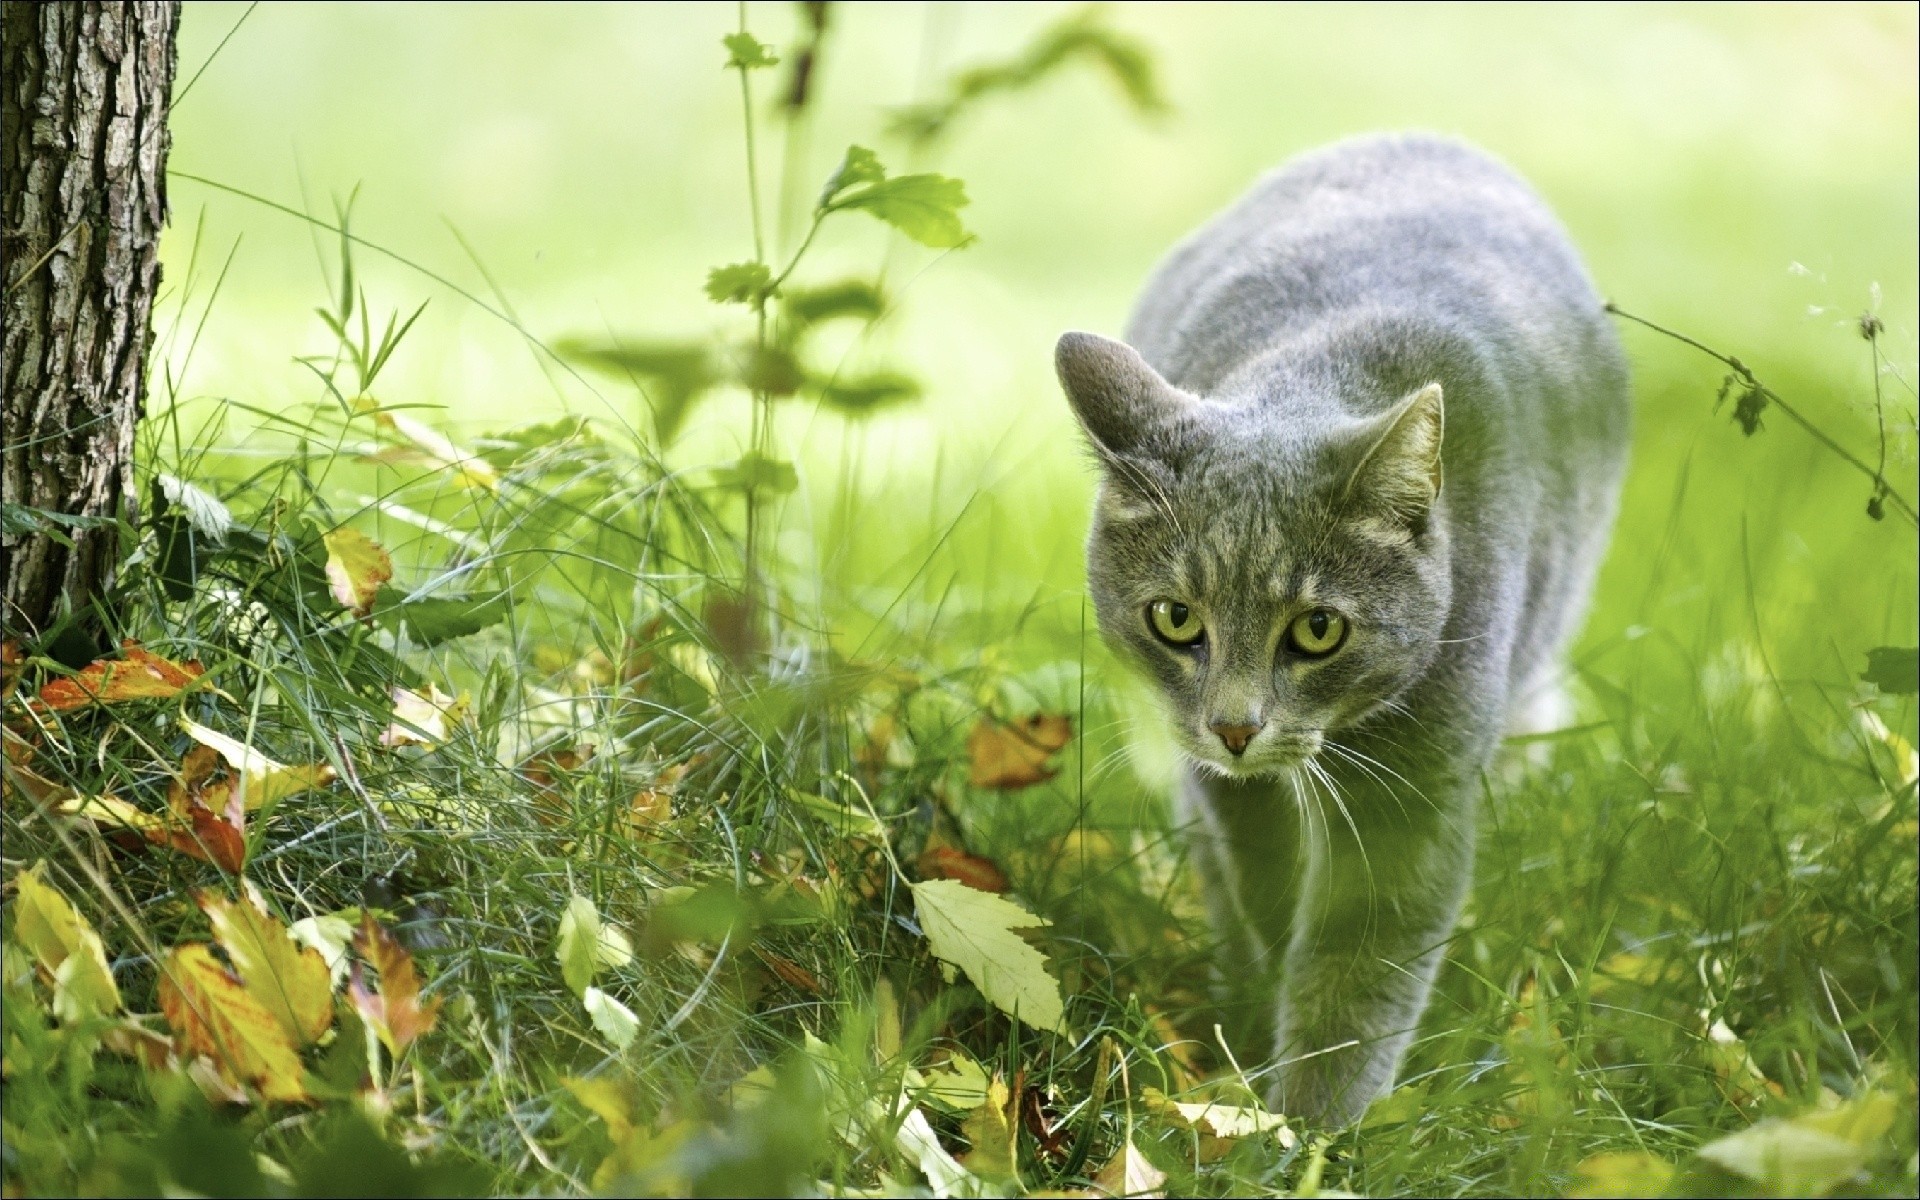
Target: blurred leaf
{"x": 958, "y": 1084}
{"x": 1218, "y": 1125}
{"x": 989, "y": 1129}
{"x": 755, "y": 472}
{"x": 357, "y": 566}
{"x": 433, "y": 449}
{"x": 614, "y": 1020}
{"x": 859, "y": 166}
{"x": 430, "y": 620}
{"x": 136, "y": 675}
{"x": 770, "y": 369}
{"x": 924, "y": 207}
{"x": 676, "y": 375}
{"x": 739, "y": 283}
{"x": 395, "y": 1012}
{"x": 747, "y": 52}
{"x": 1015, "y": 755}
{"x": 951, "y": 862}
{"x": 945, "y": 1175}
{"x": 65, "y": 948}
{"x": 1129, "y": 1173}
{"x": 1627, "y": 1175}
{"x": 217, "y": 1016}
{"x": 1894, "y": 669}
{"x": 839, "y": 817}
{"x": 289, "y": 980}
{"x": 585, "y": 944}
{"x": 262, "y": 780}
{"x": 866, "y": 393}
{"x": 845, "y": 298}
{"x": 973, "y": 931}
{"x": 1788, "y": 1158}
{"x": 348, "y": 1157}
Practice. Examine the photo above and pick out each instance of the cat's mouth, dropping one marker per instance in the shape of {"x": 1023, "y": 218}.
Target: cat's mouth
{"x": 1271, "y": 752}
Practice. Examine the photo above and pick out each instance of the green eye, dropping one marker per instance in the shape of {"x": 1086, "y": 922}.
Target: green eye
{"x": 1318, "y": 633}
{"x": 1175, "y": 623}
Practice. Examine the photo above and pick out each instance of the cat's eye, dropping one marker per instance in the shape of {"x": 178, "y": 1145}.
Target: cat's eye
{"x": 1174, "y": 622}
{"x": 1318, "y": 633}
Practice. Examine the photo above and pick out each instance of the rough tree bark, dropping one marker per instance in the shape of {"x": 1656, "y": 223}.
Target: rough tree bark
{"x": 84, "y": 92}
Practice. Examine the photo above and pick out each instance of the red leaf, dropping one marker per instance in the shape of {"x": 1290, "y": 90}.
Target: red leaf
{"x": 395, "y": 1010}
{"x": 139, "y": 675}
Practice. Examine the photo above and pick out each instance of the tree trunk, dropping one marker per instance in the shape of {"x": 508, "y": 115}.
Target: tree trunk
{"x": 84, "y": 91}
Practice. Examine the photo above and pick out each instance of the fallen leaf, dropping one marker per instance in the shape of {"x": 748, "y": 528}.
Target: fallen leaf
{"x": 959, "y": 1084}
{"x": 357, "y": 566}
{"x": 136, "y": 675}
{"x": 1622, "y": 1175}
{"x": 12, "y": 660}
{"x": 945, "y": 1176}
{"x": 841, "y": 819}
{"x": 1788, "y": 1158}
{"x": 423, "y": 720}
{"x": 791, "y": 972}
{"x": 395, "y": 1012}
{"x": 1219, "y": 1125}
{"x": 1130, "y": 1174}
{"x": 973, "y": 931}
{"x": 261, "y": 780}
{"x": 329, "y": 934}
{"x": 989, "y": 1130}
{"x": 614, "y": 1020}
{"x": 289, "y": 980}
{"x": 546, "y": 768}
{"x": 131, "y": 1039}
{"x": 585, "y": 944}
{"x": 1009, "y": 756}
{"x": 214, "y": 1014}
{"x": 191, "y": 827}
{"x": 65, "y": 948}
{"x": 951, "y": 862}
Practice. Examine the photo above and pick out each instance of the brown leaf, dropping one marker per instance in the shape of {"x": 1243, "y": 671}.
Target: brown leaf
{"x": 12, "y": 658}
{"x": 137, "y": 675}
{"x": 951, "y": 862}
{"x": 395, "y": 1011}
{"x": 1015, "y": 755}
{"x": 792, "y": 972}
{"x": 356, "y": 568}
{"x": 289, "y": 980}
{"x": 546, "y": 768}
{"x": 131, "y": 1039}
{"x": 214, "y": 1014}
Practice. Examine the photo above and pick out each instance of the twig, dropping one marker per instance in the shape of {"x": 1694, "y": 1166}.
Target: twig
{"x": 1745, "y": 375}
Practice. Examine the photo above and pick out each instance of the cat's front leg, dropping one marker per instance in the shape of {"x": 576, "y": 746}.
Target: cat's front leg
{"x": 1385, "y": 879}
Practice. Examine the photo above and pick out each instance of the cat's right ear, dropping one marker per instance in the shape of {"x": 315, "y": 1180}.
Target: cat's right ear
{"x": 1124, "y": 405}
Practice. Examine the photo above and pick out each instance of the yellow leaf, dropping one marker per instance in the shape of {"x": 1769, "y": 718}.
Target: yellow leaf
{"x": 216, "y": 1015}
{"x": 262, "y": 780}
{"x": 423, "y": 720}
{"x": 356, "y": 567}
{"x": 1015, "y": 755}
{"x": 608, "y": 1100}
{"x": 65, "y": 947}
{"x": 1219, "y": 1125}
{"x": 439, "y": 452}
{"x": 1627, "y": 1175}
{"x": 395, "y": 1012}
{"x": 1130, "y": 1174}
{"x": 973, "y": 931}
{"x": 289, "y": 980}
{"x": 959, "y": 1084}
{"x": 136, "y": 675}
{"x": 989, "y": 1129}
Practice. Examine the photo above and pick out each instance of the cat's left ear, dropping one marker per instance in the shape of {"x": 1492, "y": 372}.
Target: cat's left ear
{"x": 1399, "y": 472}
{"x": 1125, "y": 406}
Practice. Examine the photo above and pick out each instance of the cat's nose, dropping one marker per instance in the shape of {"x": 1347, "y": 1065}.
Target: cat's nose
{"x": 1235, "y": 735}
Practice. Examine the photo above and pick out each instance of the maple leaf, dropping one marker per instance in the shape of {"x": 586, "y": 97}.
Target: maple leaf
{"x": 65, "y": 948}
{"x": 215, "y": 1014}
{"x": 973, "y": 931}
{"x": 1008, "y": 756}
{"x": 395, "y": 1011}
{"x": 136, "y": 675}
{"x": 357, "y": 566}
{"x": 289, "y": 980}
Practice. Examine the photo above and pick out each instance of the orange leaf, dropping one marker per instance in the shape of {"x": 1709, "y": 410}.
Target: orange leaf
{"x": 216, "y": 1015}
{"x": 951, "y": 862}
{"x": 395, "y": 1011}
{"x": 289, "y": 980}
{"x": 138, "y": 675}
{"x": 1015, "y": 755}
{"x": 12, "y": 658}
{"x": 790, "y": 971}
{"x": 356, "y": 567}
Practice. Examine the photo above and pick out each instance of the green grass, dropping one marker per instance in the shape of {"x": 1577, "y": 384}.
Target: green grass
{"x": 1693, "y": 913}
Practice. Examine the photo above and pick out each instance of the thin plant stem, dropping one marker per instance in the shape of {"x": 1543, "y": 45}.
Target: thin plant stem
{"x": 1746, "y": 376}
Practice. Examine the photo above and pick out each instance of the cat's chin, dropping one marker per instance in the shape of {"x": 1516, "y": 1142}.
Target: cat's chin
{"x": 1275, "y": 765}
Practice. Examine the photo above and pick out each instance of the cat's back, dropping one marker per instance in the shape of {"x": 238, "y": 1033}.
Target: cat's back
{"x": 1394, "y": 225}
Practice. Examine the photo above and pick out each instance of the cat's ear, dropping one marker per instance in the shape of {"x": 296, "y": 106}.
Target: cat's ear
{"x": 1123, "y": 404}
{"x": 1398, "y": 474}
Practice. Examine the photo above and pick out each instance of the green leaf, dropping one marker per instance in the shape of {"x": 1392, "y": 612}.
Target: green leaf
{"x": 839, "y": 817}
{"x": 614, "y": 1020}
{"x": 671, "y": 375}
{"x": 866, "y": 393}
{"x": 845, "y": 298}
{"x": 748, "y": 53}
{"x": 770, "y": 370}
{"x": 924, "y": 207}
{"x": 755, "y": 472}
{"x": 1894, "y": 669}
{"x": 973, "y": 931}
{"x": 1622, "y": 1175}
{"x": 859, "y": 166}
{"x": 1786, "y": 1157}
{"x": 430, "y": 620}
{"x": 585, "y": 944}
{"x": 739, "y": 283}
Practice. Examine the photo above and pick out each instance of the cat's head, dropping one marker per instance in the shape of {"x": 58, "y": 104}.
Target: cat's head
{"x": 1277, "y": 582}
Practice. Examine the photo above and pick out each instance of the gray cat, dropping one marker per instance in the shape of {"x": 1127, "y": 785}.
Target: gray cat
{"x": 1357, "y": 472}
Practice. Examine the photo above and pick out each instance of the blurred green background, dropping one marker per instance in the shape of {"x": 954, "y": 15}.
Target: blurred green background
{"x": 1744, "y": 173}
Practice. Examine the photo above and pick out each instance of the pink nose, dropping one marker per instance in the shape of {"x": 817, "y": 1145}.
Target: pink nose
{"x": 1235, "y": 736}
